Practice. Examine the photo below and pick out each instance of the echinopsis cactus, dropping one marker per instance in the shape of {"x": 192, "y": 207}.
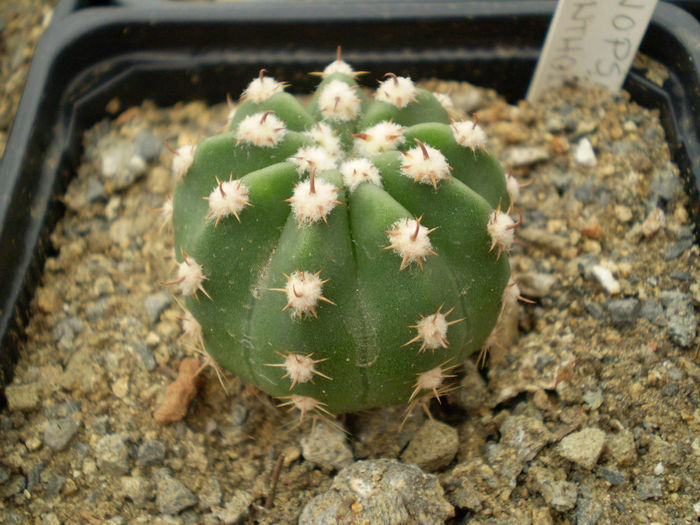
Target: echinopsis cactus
{"x": 346, "y": 255}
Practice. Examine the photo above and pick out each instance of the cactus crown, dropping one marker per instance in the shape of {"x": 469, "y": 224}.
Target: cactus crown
{"x": 347, "y": 254}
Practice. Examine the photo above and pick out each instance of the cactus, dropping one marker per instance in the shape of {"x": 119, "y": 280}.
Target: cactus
{"x": 345, "y": 255}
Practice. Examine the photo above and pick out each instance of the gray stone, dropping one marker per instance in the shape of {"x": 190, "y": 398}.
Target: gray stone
{"x": 94, "y": 191}
{"x": 433, "y": 446}
{"x": 239, "y": 413}
{"x": 677, "y": 249}
{"x": 325, "y": 445}
{"x": 583, "y": 447}
{"x": 147, "y": 145}
{"x": 588, "y": 507}
{"x": 680, "y": 317}
{"x": 379, "y": 491}
{"x": 559, "y": 494}
{"x": 113, "y": 453}
{"x": 4, "y": 475}
{"x": 150, "y": 452}
{"x": 172, "y": 496}
{"x": 612, "y": 475}
{"x": 623, "y": 311}
{"x": 665, "y": 185}
{"x": 653, "y": 311}
{"x": 649, "y": 487}
{"x": 146, "y": 357}
{"x": 155, "y": 304}
{"x": 59, "y": 432}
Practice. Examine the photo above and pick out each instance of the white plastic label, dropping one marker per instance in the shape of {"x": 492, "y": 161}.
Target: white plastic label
{"x": 591, "y": 40}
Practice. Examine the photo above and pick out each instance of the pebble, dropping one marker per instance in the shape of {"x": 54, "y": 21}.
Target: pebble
{"x": 611, "y": 475}
{"x": 536, "y": 284}
{"x": 112, "y": 452}
{"x": 623, "y": 311}
{"x": 681, "y": 323}
{"x": 653, "y": 311}
{"x": 147, "y": 145}
{"x": 526, "y": 156}
{"x": 589, "y": 507}
{"x": 145, "y": 355}
{"x": 584, "y": 154}
{"x": 172, "y": 496}
{"x": 95, "y": 190}
{"x": 433, "y": 446}
{"x": 59, "y": 432}
{"x": 150, "y": 452}
{"x": 155, "y": 304}
{"x": 210, "y": 494}
{"x": 605, "y": 278}
{"x": 326, "y": 445}
{"x": 593, "y": 398}
{"x": 557, "y": 493}
{"x": 379, "y": 491}
{"x": 622, "y": 448}
{"x": 22, "y": 397}
{"x": 236, "y": 509}
{"x": 583, "y": 447}
{"x": 649, "y": 487}
{"x": 120, "y": 164}
{"x": 138, "y": 489}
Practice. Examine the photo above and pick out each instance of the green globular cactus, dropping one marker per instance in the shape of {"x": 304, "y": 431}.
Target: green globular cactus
{"x": 345, "y": 255}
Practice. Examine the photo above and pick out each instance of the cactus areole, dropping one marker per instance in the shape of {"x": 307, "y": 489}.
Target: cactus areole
{"x": 344, "y": 255}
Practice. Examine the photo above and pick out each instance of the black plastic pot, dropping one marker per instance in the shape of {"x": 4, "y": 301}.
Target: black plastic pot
{"x": 172, "y": 52}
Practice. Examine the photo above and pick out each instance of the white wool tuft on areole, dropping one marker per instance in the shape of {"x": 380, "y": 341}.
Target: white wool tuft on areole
{"x": 381, "y": 137}
{"x": 357, "y": 171}
{"x": 263, "y": 129}
{"x": 398, "y": 91}
{"x": 469, "y": 134}
{"x": 313, "y": 159}
{"x": 338, "y": 101}
{"x": 226, "y": 199}
{"x": 262, "y": 88}
{"x": 425, "y": 165}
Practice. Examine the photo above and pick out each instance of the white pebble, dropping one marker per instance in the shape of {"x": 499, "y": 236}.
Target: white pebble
{"x": 606, "y": 279}
{"x": 584, "y": 154}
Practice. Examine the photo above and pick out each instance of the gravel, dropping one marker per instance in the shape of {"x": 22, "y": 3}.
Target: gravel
{"x": 587, "y": 410}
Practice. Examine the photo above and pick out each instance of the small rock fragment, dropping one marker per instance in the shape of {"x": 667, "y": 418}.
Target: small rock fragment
{"x": 22, "y": 397}
{"x": 622, "y": 448}
{"x": 649, "y": 487}
{"x": 155, "y": 304}
{"x": 59, "y": 432}
{"x": 237, "y": 508}
{"x": 325, "y": 445}
{"x": 653, "y": 222}
{"x": 433, "y": 446}
{"x": 623, "y": 311}
{"x": 526, "y": 156}
{"x": 557, "y": 493}
{"x": 379, "y": 491}
{"x": 583, "y": 447}
{"x": 584, "y": 154}
{"x": 680, "y": 316}
{"x": 605, "y": 278}
{"x": 113, "y": 453}
{"x": 172, "y": 495}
